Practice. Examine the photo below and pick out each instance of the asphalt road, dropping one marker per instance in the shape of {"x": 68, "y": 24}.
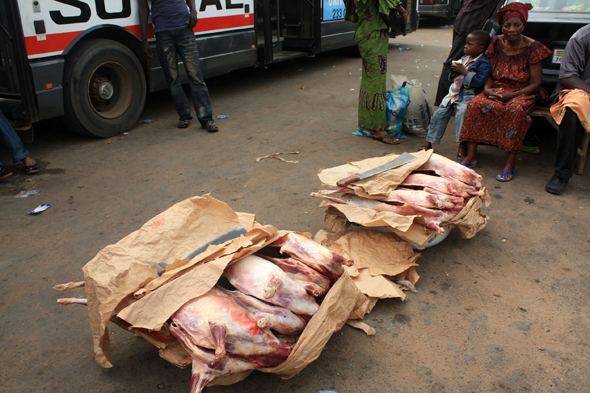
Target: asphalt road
{"x": 506, "y": 311}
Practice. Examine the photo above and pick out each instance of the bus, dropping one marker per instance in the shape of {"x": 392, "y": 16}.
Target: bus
{"x": 82, "y": 60}
{"x": 447, "y": 9}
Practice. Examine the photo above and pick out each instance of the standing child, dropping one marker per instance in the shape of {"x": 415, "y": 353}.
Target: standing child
{"x": 471, "y": 73}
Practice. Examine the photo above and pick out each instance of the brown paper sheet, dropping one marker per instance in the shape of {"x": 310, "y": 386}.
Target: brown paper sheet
{"x": 362, "y": 326}
{"x": 381, "y": 253}
{"x": 121, "y": 278}
{"x": 121, "y": 269}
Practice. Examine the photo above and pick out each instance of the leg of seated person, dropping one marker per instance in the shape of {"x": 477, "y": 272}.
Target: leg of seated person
{"x": 471, "y": 157}
{"x": 438, "y": 125}
{"x": 508, "y": 172}
{"x": 568, "y": 138}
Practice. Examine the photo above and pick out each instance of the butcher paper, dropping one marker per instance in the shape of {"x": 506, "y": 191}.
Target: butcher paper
{"x": 122, "y": 278}
{"x": 411, "y": 228}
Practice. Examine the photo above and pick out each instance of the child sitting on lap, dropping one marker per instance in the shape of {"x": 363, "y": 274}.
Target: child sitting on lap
{"x": 471, "y": 73}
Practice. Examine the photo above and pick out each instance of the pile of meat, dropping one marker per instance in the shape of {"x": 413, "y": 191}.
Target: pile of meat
{"x": 437, "y": 191}
{"x": 232, "y": 331}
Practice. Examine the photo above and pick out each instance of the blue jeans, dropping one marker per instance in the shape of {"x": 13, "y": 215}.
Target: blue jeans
{"x": 182, "y": 42}
{"x": 440, "y": 119}
{"x": 11, "y": 141}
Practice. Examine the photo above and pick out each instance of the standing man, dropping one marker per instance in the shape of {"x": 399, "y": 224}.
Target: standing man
{"x": 473, "y": 16}
{"x": 573, "y": 109}
{"x": 174, "y": 21}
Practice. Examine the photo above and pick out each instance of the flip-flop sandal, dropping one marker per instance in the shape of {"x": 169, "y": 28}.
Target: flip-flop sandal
{"x": 469, "y": 165}
{"x": 386, "y": 136}
{"x": 210, "y": 127}
{"x": 184, "y": 124}
{"x": 4, "y": 174}
{"x": 30, "y": 169}
{"x": 504, "y": 179}
{"x": 425, "y": 147}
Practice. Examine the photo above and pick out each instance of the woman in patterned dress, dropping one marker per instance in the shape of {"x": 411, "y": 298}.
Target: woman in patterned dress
{"x": 371, "y": 35}
{"x": 500, "y": 115}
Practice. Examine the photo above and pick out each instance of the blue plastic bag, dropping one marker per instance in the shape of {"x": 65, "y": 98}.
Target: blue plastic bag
{"x": 398, "y": 100}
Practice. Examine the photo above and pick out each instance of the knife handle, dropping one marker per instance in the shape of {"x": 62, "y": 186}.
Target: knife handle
{"x": 347, "y": 180}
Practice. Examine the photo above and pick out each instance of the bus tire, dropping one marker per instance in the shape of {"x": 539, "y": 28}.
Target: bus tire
{"x": 104, "y": 88}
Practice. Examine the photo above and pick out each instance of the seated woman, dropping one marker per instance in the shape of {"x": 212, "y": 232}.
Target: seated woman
{"x": 499, "y": 116}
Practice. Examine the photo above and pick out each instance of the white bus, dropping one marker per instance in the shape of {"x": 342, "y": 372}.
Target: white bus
{"x": 83, "y": 59}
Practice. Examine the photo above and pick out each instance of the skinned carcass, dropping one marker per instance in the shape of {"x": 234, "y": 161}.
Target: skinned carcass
{"x": 432, "y": 218}
{"x": 276, "y": 318}
{"x": 218, "y": 322}
{"x": 206, "y": 366}
{"x": 224, "y": 338}
{"x": 442, "y": 184}
{"x": 313, "y": 255}
{"x": 315, "y": 283}
{"x": 427, "y": 198}
{"x": 447, "y": 168}
{"x": 266, "y": 281}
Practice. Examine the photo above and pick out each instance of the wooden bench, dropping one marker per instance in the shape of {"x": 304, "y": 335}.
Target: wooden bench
{"x": 582, "y": 149}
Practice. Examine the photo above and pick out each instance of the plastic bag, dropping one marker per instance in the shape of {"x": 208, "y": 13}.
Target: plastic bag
{"x": 397, "y": 102}
{"x": 419, "y": 111}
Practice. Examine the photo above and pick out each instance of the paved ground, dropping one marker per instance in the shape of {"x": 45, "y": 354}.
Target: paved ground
{"x": 506, "y": 311}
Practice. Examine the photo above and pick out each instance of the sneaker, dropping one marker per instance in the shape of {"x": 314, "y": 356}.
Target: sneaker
{"x": 556, "y": 185}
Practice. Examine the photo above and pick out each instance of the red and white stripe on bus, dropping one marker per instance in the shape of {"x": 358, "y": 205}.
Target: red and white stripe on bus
{"x": 63, "y": 20}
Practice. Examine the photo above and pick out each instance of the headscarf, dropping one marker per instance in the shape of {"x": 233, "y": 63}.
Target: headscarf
{"x": 520, "y": 10}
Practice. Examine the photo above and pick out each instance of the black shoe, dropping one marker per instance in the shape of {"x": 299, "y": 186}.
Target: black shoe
{"x": 4, "y": 174}
{"x": 556, "y": 185}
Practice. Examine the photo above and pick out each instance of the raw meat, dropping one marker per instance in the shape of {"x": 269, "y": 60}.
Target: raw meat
{"x": 70, "y": 285}
{"x": 277, "y": 318}
{"x": 426, "y": 197}
{"x": 444, "y": 167}
{"x": 206, "y": 368}
{"x": 218, "y": 322}
{"x": 432, "y": 218}
{"x": 266, "y": 281}
{"x": 315, "y": 283}
{"x": 73, "y": 301}
{"x": 312, "y": 254}
{"x": 442, "y": 184}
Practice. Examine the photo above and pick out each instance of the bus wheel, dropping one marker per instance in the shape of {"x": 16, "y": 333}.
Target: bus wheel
{"x": 104, "y": 88}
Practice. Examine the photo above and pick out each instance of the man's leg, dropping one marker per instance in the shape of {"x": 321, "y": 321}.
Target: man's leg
{"x": 166, "y": 48}
{"x": 11, "y": 141}
{"x": 455, "y": 54}
{"x": 189, "y": 52}
{"x": 568, "y": 138}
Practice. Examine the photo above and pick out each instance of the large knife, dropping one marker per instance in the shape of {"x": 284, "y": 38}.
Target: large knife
{"x": 404, "y": 159}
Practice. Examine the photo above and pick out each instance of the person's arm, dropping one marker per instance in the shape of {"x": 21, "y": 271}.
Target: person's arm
{"x": 192, "y": 18}
{"x": 487, "y": 90}
{"x": 575, "y": 82}
{"x": 535, "y": 79}
{"x": 403, "y": 13}
{"x": 573, "y": 64}
{"x": 144, "y": 12}
{"x": 478, "y": 77}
